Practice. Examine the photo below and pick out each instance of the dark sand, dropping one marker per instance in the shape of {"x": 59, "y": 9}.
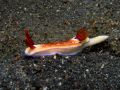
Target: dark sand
{"x": 96, "y": 68}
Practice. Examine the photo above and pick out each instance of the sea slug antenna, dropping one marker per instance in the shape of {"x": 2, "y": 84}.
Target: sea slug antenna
{"x": 29, "y": 42}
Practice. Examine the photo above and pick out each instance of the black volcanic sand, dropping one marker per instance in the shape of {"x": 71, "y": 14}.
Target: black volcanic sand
{"x": 96, "y": 68}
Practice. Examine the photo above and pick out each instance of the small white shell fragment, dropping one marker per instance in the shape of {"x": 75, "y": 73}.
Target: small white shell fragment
{"x": 45, "y": 88}
{"x": 102, "y": 66}
{"x": 54, "y": 57}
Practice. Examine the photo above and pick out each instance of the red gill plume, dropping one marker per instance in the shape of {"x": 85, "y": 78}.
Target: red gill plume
{"x": 29, "y": 42}
{"x": 82, "y": 34}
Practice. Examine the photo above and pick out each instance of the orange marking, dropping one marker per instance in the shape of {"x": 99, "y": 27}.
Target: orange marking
{"x": 61, "y": 44}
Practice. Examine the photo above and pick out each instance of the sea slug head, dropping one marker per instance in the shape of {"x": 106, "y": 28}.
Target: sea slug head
{"x": 29, "y": 42}
{"x": 32, "y": 52}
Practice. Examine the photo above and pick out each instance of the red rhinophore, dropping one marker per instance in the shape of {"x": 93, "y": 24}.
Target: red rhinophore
{"x": 82, "y": 34}
{"x": 29, "y": 42}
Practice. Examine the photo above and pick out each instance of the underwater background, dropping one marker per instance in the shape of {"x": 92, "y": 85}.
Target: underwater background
{"x": 95, "y": 68}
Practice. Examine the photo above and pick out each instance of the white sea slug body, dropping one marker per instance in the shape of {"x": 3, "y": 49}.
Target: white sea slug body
{"x": 69, "y": 47}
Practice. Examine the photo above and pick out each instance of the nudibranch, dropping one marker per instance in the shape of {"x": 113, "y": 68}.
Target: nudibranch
{"x": 68, "y": 47}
